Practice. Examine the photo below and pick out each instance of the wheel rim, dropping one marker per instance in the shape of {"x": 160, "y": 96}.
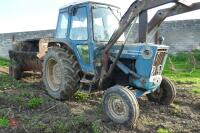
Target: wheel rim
{"x": 118, "y": 108}
{"x": 53, "y": 74}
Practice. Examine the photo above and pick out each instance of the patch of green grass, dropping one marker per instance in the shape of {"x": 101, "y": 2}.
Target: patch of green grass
{"x": 95, "y": 128}
{"x": 34, "y": 102}
{"x": 196, "y": 91}
{"x": 185, "y": 74}
{"x": 4, "y": 122}
{"x": 7, "y": 82}
{"x": 4, "y": 62}
{"x": 175, "y": 110}
{"x": 74, "y": 122}
{"x": 82, "y": 97}
{"x": 162, "y": 130}
{"x": 60, "y": 127}
{"x": 78, "y": 120}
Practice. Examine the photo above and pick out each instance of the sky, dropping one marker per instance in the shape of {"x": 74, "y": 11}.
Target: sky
{"x": 30, "y": 15}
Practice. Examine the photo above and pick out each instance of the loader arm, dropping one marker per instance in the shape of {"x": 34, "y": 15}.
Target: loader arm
{"x": 140, "y": 7}
{"x": 133, "y": 11}
{"x": 161, "y": 15}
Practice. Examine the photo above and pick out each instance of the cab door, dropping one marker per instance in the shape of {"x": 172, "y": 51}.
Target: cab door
{"x": 79, "y": 37}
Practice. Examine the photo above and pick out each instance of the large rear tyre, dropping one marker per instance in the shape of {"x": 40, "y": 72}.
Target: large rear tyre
{"x": 164, "y": 95}
{"x": 61, "y": 73}
{"x": 120, "y": 105}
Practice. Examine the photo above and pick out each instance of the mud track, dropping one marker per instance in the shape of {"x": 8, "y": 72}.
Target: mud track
{"x": 72, "y": 116}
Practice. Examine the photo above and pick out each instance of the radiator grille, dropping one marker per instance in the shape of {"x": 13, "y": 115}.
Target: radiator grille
{"x": 158, "y": 62}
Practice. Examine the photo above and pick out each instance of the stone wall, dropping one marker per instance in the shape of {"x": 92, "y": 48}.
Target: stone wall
{"x": 180, "y": 35}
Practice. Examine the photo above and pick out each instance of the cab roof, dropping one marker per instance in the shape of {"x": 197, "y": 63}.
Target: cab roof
{"x": 88, "y": 1}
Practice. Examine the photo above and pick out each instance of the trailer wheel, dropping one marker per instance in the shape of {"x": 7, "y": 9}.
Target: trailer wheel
{"x": 15, "y": 70}
{"x": 60, "y": 73}
{"x": 165, "y": 95}
{"x": 120, "y": 105}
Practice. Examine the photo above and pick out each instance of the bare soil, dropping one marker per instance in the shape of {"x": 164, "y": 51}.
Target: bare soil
{"x": 54, "y": 116}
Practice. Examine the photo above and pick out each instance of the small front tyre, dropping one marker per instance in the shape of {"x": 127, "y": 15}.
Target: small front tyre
{"x": 120, "y": 105}
{"x": 164, "y": 95}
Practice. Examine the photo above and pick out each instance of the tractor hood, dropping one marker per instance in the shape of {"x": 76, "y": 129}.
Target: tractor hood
{"x": 149, "y": 58}
{"x": 133, "y": 51}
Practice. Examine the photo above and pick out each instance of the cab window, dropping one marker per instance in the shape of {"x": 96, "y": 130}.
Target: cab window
{"x": 78, "y": 29}
{"x": 62, "y": 25}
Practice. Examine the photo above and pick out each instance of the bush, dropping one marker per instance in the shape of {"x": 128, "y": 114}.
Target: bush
{"x": 196, "y": 54}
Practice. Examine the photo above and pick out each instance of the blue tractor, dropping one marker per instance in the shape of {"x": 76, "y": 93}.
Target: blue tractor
{"x": 90, "y": 51}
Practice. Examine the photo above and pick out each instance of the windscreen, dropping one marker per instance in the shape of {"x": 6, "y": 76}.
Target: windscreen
{"x": 105, "y": 22}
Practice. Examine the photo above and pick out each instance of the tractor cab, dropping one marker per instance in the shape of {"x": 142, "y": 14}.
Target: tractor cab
{"x": 87, "y": 27}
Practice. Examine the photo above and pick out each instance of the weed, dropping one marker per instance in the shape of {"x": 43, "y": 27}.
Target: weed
{"x": 162, "y": 130}
{"x": 34, "y": 102}
{"x": 25, "y": 94}
{"x": 19, "y": 100}
{"x": 82, "y": 97}
{"x": 75, "y": 121}
{"x": 60, "y": 127}
{"x": 4, "y": 122}
{"x": 95, "y": 128}
{"x": 78, "y": 120}
{"x": 175, "y": 110}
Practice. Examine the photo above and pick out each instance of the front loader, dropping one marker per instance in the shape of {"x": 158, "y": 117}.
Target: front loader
{"x": 90, "y": 51}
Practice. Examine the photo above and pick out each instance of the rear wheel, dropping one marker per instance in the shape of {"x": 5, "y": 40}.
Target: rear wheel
{"x": 120, "y": 105}
{"x": 165, "y": 94}
{"x": 61, "y": 73}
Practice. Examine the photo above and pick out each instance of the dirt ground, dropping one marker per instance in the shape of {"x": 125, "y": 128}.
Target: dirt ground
{"x": 76, "y": 116}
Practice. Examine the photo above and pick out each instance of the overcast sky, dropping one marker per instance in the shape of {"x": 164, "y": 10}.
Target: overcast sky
{"x": 29, "y": 15}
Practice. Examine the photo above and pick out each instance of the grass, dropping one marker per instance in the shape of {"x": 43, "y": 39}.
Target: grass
{"x": 60, "y": 127}
{"x": 196, "y": 91}
{"x": 81, "y": 97}
{"x": 4, "y": 62}
{"x": 175, "y": 110}
{"x": 162, "y": 130}
{"x": 185, "y": 73}
{"x": 34, "y": 102}
{"x": 4, "y": 122}
{"x": 95, "y": 128}
{"x": 6, "y": 82}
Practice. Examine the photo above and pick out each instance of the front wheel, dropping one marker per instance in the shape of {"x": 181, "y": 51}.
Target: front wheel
{"x": 164, "y": 95}
{"x": 120, "y": 105}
